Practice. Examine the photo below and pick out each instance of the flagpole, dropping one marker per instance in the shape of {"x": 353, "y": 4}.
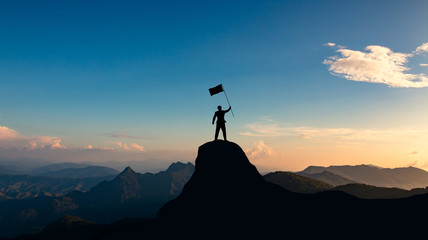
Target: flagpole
{"x": 228, "y": 102}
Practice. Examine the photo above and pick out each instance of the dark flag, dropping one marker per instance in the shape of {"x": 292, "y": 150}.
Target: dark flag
{"x": 216, "y": 89}
{"x": 219, "y": 89}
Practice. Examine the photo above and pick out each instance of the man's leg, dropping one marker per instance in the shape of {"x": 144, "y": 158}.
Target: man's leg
{"x": 217, "y": 129}
{"x": 223, "y": 129}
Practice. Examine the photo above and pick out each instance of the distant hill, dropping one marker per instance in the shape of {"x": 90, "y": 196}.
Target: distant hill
{"x": 23, "y": 165}
{"x": 25, "y": 186}
{"x": 327, "y": 177}
{"x": 405, "y": 178}
{"x": 128, "y": 194}
{"x": 4, "y": 169}
{"x": 132, "y": 186}
{"x": 40, "y": 171}
{"x": 300, "y": 184}
{"x": 85, "y": 172}
{"x": 141, "y": 166}
{"x": 296, "y": 183}
{"x": 371, "y": 192}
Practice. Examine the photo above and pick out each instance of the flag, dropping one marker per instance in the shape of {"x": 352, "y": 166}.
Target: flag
{"x": 216, "y": 89}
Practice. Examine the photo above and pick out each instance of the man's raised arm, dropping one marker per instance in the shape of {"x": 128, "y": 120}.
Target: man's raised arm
{"x": 230, "y": 107}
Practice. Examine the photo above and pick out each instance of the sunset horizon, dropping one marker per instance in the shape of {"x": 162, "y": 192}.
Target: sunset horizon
{"x": 213, "y": 119}
{"x": 310, "y": 83}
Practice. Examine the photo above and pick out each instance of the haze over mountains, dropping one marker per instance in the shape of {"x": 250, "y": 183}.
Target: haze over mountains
{"x": 128, "y": 194}
{"x": 91, "y": 193}
{"x": 52, "y": 180}
{"x": 236, "y": 202}
{"x": 405, "y": 178}
{"x": 26, "y": 187}
{"x": 35, "y": 166}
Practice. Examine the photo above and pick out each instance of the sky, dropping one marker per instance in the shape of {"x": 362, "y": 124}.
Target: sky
{"x": 310, "y": 82}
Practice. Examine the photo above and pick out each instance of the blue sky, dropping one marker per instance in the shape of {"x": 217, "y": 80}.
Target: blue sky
{"x": 110, "y": 74}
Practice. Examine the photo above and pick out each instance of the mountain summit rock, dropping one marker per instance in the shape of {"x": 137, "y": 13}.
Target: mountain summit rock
{"x": 226, "y": 192}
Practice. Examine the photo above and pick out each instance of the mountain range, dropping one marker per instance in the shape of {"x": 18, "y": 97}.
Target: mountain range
{"x": 405, "y": 178}
{"x": 300, "y": 184}
{"x": 224, "y": 190}
{"x": 237, "y": 202}
{"x": 128, "y": 194}
{"x": 52, "y": 180}
{"x": 297, "y": 183}
{"x": 39, "y": 171}
{"x": 85, "y": 172}
{"x": 27, "y": 187}
{"x": 35, "y": 166}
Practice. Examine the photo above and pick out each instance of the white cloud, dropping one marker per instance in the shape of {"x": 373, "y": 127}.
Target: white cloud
{"x": 423, "y": 64}
{"x": 12, "y": 139}
{"x": 330, "y": 44}
{"x": 137, "y": 147}
{"x": 422, "y": 48}
{"x": 133, "y": 147}
{"x": 58, "y": 145}
{"x": 377, "y": 65}
{"x": 259, "y": 150}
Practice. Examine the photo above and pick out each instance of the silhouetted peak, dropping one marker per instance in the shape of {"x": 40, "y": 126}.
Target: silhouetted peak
{"x": 224, "y": 182}
{"x": 224, "y": 159}
{"x": 127, "y": 171}
{"x": 177, "y": 166}
{"x": 313, "y": 169}
{"x": 223, "y": 166}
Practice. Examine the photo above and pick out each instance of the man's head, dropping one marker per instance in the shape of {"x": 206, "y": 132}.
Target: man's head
{"x": 219, "y": 107}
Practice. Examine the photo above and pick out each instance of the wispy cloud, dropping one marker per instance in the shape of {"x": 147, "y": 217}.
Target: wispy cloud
{"x": 332, "y": 134}
{"x": 124, "y": 135}
{"x": 133, "y": 147}
{"x": 91, "y": 147}
{"x": 377, "y": 64}
{"x": 12, "y": 139}
{"x": 114, "y": 135}
{"x": 422, "y": 48}
{"x": 423, "y": 64}
{"x": 259, "y": 150}
{"x": 330, "y": 44}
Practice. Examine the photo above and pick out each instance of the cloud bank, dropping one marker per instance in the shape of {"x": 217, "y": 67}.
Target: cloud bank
{"x": 259, "y": 150}
{"x": 377, "y": 64}
{"x": 133, "y": 147}
{"x": 12, "y": 139}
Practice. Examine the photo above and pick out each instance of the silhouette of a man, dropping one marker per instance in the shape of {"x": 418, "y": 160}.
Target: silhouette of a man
{"x": 221, "y": 123}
